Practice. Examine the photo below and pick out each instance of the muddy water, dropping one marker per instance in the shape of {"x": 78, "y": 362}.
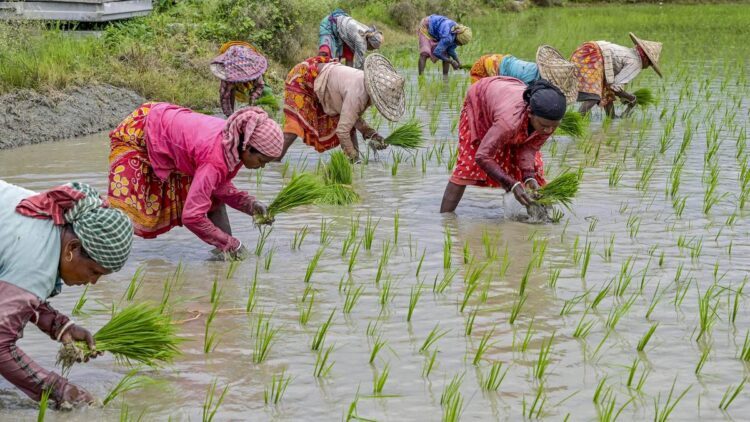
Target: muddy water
{"x": 483, "y": 223}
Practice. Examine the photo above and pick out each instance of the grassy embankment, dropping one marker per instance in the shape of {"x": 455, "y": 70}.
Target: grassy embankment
{"x": 165, "y": 56}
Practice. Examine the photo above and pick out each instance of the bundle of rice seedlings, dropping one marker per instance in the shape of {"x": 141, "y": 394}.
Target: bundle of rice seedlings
{"x": 137, "y": 333}
{"x": 572, "y": 124}
{"x": 407, "y": 136}
{"x": 303, "y": 189}
{"x": 338, "y": 175}
{"x": 465, "y": 66}
{"x": 644, "y": 97}
{"x": 269, "y": 101}
{"x": 559, "y": 191}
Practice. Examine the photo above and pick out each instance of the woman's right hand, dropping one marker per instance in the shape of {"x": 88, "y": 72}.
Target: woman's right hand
{"x": 73, "y": 395}
{"x": 521, "y": 195}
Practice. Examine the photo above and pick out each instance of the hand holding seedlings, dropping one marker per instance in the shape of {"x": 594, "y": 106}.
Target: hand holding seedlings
{"x": 521, "y": 195}
{"x": 77, "y": 333}
{"x": 259, "y": 208}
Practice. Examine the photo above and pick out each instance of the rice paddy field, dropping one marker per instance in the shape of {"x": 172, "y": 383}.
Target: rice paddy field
{"x": 634, "y": 306}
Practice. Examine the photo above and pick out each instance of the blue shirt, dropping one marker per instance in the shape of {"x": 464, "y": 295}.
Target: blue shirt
{"x": 29, "y": 247}
{"x": 440, "y": 29}
{"x": 519, "y": 69}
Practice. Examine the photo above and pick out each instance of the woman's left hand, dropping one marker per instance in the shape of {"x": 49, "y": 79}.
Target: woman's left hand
{"x": 78, "y": 333}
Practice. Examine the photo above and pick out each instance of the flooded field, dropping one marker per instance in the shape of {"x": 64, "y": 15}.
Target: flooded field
{"x": 635, "y": 304}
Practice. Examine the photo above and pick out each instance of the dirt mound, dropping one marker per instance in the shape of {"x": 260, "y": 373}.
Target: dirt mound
{"x": 28, "y": 117}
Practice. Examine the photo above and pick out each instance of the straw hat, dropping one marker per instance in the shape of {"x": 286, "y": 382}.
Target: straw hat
{"x": 384, "y": 86}
{"x": 239, "y": 64}
{"x": 562, "y": 73}
{"x": 652, "y": 50}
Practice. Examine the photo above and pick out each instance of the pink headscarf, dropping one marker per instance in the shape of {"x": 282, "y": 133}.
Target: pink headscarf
{"x": 257, "y": 130}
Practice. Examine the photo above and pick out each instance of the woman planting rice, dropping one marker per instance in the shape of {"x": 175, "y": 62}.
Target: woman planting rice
{"x": 502, "y": 128}
{"x": 240, "y": 68}
{"x": 324, "y": 102}
{"x": 342, "y": 37}
{"x": 65, "y": 235}
{"x": 438, "y": 39}
{"x": 550, "y": 65}
{"x": 170, "y": 166}
{"x": 604, "y": 68}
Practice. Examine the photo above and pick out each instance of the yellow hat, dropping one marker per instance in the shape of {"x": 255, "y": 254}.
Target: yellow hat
{"x": 463, "y": 34}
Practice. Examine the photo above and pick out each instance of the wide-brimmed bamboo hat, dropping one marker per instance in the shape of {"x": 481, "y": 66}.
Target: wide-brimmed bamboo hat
{"x": 652, "y": 50}
{"x": 562, "y": 73}
{"x": 385, "y": 86}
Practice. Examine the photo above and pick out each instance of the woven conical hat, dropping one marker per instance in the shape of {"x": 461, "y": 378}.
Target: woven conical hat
{"x": 385, "y": 86}
{"x": 652, "y": 50}
{"x": 562, "y": 73}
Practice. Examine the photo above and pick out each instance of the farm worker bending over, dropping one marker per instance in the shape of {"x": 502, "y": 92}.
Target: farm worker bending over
{"x": 604, "y": 68}
{"x": 438, "y": 39}
{"x": 170, "y": 166}
{"x": 502, "y": 128}
{"x": 342, "y": 37}
{"x": 240, "y": 67}
{"x": 65, "y": 235}
{"x": 324, "y": 102}
{"x": 550, "y": 65}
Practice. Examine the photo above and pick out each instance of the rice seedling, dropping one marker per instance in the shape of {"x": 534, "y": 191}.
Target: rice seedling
{"x": 273, "y": 393}
{"x": 505, "y": 264}
{"x": 131, "y": 381}
{"x": 731, "y": 394}
{"x": 451, "y": 400}
{"x": 352, "y": 297}
{"x": 494, "y": 377}
{"x": 435, "y": 335}
{"x": 561, "y": 190}
{"x": 135, "y": 283}
{"x": 429, "y": 364}
{"x": 646, "y": 337}
{"x": 536, "y": 407}
{"x": 421, "y": 261}
{"x": 369, "y": 234}
{"x": 252, "y": 295}
{"x": 414, "y": 295}
{"x": 745, "y": 352}
{"x": 303, "y": 189}
{"x": 484, "y": 344}
{"x": 43, "y": 404}
{"x": 542, "y": 362}
{"x": 617, "y": 312}
{"x": 313, "y": 264}
{"x": 386, "y": 293}
{"x": 353, "y": 256}
{"x": 396, "y": 220}
{"x": 445, "y": 282}
{"x": 397, "y": 159}
{"x": 299, "y": 237}
{"x": 516, "y": 309}
{"x": 379, "y": 379}
{"x": 264, "y": 232}
{"x": 320, "y": 335}
{"x": 706, "y": 312}
{"x": 554, "y": 275}
{"x": 466, "y": 252}
{"x": 407, "y": 136}
{"x": 78, "y": 307}
{"x": 586, "y": 260}
{"x": 447, "y": 246}
{"x": 326, "y": 232}
{"x": 662, "y": 412}
{"x": 469, "y": 323}
{"x": 322, "y": 365}
{"x": 584, "y": 326}
{"x": 646, "y": 174}
{"x": 263, "y": 336}
{"x": 211, "y": 403}
{"x": 607, "y": 404}
{"x": 383, "y": 260}
{"x": 305, "y": 306}
{"x": 211, "y": 340}
{"x": 573, "y": 124}
{"x": 138, "y": 333}
{"x": 377, "y": 346}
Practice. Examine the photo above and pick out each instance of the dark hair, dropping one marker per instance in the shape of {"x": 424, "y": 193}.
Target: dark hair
{"x": 239, "y": 148}
{"x": 545, "y": 100}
